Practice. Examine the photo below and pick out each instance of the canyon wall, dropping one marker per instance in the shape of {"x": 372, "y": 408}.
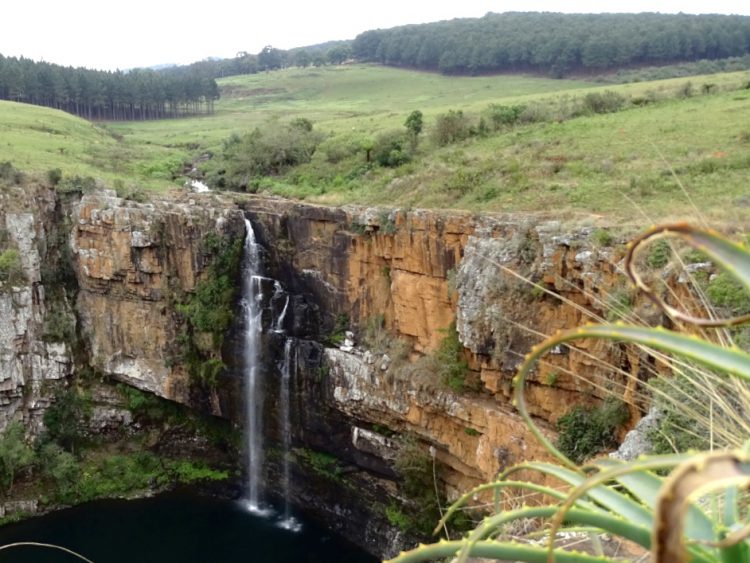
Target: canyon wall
{"x": 135, "y": 263}
{"x": 401, "y": 279}
{"x": 32, "y": 364}
{"x": 372, "y": 293}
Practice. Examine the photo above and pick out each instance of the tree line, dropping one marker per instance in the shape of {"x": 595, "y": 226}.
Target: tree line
{"x": 557, "y": 44}
{"x": 268, "y": 58}
{"x": 112, "y": 95}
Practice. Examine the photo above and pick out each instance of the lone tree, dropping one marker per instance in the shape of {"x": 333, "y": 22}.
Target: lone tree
{"x": 414, "y": 124}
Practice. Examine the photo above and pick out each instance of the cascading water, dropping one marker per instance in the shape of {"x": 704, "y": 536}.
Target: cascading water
{"x": 288, "y": 368}
{"x": 251, "y": 306}
{"x": 278, "y": 326}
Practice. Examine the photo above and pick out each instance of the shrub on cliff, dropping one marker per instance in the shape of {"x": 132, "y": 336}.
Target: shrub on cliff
{"x": 415, "y": 466}
{"x": 15, "y": 454}
{"x": 451, "y": 365}
{"x": 10, "y": 175}
{"x": 587, "y": 431}
{"x": 67, "y": 418}
{"x": 209, "y": 309}
{"x": 11, "y": 270}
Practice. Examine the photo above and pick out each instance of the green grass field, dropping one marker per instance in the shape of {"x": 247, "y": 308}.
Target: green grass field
{"x": 613, "y": 165}
{"x": 337, "y": 99}
{"x": 36, "y": 139}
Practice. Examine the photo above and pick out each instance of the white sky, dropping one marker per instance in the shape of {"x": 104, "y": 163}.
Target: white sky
{"x": 109, "y": 35}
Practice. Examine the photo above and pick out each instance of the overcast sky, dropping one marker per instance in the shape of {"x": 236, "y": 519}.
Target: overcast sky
{"x": 110, "y": 35}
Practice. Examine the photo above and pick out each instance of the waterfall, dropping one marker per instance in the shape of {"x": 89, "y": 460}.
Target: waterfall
{"x": 288, "y": 369}
{"x": 278, "y": 326}
{"x": 251, "y": 307}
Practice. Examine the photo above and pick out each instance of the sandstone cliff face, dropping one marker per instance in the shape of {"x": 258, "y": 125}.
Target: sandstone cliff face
{"x": 30, "y": 363}
{"x": 410, "y": 274}
{"x": 133, "y": 261}
{"x": 421, "y": 271}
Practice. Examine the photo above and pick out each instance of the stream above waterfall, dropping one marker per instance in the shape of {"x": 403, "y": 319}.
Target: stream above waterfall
{"x": 183, "y": 526}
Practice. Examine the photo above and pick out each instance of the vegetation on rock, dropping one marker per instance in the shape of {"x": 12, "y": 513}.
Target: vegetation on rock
{"x": 210, "y": 309}
{"x": 690, "y": 515}
{"x": 587, "y": 431}
{"x": 452, "y": 367}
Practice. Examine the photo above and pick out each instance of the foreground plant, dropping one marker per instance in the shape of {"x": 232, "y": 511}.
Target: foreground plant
{"x": 628, "y": 500}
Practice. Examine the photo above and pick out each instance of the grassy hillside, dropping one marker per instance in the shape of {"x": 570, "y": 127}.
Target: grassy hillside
{"x": 336, "y": 98}
{"x": 37, "y": 139}
{"x": 605, "y": 164}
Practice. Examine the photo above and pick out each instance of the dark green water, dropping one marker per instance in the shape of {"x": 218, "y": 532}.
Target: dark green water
{"x": 180, "y": 528}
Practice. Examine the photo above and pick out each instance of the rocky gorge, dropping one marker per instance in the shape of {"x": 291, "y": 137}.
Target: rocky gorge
{"x": 120, "y": 289}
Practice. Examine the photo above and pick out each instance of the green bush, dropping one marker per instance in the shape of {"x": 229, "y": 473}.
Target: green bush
{"x": 210, "y": 307}
{"x": 94, "y": 477}
{"x": 602, "y": 237}
{"x": 724, "y": 291}
{"x": 414, "y": 464}
{"x": 414, "y": 124}
{"x": 658, "y": 254}
{"x": 340, "y": 147}
{"x": 11, "y": 270}
{"x": 186, "y": 471}
{"x": 451, "y": 127}
{"x": 59, "y": 325}
{"x": 76, "y": 184}
{"x": 338, "y": 332}
{"x": 605, "y": 102}
{"x": 391, "y": 148}
{"x": 268, "y": 151}
{"x": 149, "y": 407}
{"x": 536, "y": 112}
{"x": 452, "y": 367}
{"x": 397, "y": 518}
{"x": 15, "y": 454}
{"x": 66, "y": 419}
{"x": 321, "y": 463}
{"x": 131, "y": 192}
{"x": 164, "y": 169}
{"x": 62, "y": 468}
{"x": 502, "y": 116}
{"x": 54, "y": 175}
{"x": 10, "y": 175}
{"x": 586, "y": 431}
{"x": 209, "y": 370}
{"x": 464, "y": 180}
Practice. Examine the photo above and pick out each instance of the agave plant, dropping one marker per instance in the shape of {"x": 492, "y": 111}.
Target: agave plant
{"x": 679, "y": 507}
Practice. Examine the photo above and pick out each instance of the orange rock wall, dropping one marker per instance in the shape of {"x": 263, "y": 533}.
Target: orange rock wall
{"x": 131, "y": 259}
{"x": 415, "y": 268}
{"x": 420, "y": 270}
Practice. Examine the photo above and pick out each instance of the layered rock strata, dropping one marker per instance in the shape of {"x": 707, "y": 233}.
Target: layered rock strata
{"x": 417, "y": 272}
{"x": 397, "y": 279}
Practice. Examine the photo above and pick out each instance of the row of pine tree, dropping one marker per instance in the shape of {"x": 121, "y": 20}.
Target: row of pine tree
{"x": 94, "y": 94}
